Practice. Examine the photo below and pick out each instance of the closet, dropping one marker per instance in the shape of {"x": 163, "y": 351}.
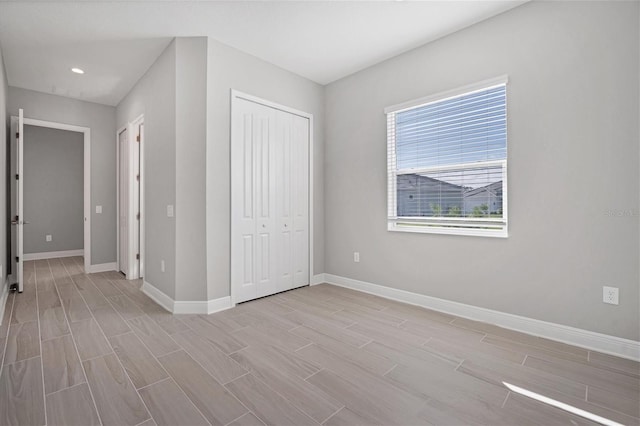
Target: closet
{"x": 270, "y": 238}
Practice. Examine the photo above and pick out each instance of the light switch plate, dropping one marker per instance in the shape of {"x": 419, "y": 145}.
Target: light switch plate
{"x": 98, "y": 209}
{"x": 170, "y": 212}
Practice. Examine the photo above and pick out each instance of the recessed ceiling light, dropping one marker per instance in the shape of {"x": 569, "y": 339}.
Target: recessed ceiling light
{"x": 77, "y": 70}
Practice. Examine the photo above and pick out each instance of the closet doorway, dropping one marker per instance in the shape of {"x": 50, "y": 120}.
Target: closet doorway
{"x": 271, "y": 198}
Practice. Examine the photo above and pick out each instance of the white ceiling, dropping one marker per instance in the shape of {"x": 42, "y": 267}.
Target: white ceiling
{"x": 116, "y": 42}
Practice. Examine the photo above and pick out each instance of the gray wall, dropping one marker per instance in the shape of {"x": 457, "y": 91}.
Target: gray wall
{"x": 172, "y": 97}
{"x": 155, "y": 96}
{"x": 53, "y": 189}
{"x": 573, "y": 160}
{"x": 185, "y": 97}
{"x": 190, "y": 157}
{"x": 229, "y": 69}
{"x": 101, "y": 120}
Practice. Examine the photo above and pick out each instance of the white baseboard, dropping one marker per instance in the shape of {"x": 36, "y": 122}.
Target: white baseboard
{"x": 318, "y": 279}
{"x": 193, "y": 307}
{"x": 219, "y": 304}
{"x": 202, "y": 307}
{"x": 53, "y": 254}
{"x": 4, "y": 296}
{"x": 186, "y": 307}
{"x": 613, "y": 345}
{"x": 103, "y": 267}
{"x": 157, "y": 296}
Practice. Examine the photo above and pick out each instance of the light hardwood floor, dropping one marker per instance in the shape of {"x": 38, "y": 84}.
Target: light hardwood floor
{"x": 82, "y": 349}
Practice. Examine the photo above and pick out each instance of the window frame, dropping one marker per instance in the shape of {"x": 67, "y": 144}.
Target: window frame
{"x": 443, "y": 225}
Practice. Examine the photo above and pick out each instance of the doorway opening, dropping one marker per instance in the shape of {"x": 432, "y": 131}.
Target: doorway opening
{"x": 51, "y": 192}
{"x": 130, "y": 199}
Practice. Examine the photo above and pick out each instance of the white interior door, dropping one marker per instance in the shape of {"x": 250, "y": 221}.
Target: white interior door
{"x": 134, "y": 236}
{"x": 292, "y": 203}
{"x": 123, "y": 171}
{"x": 284, "y": 203}
{"x": 19, "y": 219}
{"x": 299, "y": 160}
{"x": 264, "y": 141}
{"x": 269, "y": 200}
{"x": 252, "y": 200}
{"x": 141, "y": 204}
{"x": 129, "y": 198}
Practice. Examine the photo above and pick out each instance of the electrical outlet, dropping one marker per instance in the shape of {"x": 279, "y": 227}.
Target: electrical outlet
{"x": 610, "y": 295}
{"x": 48, "y": 238}
{"x": 356, "y": 256}
{"x": 98, "y": 209}
{"x": 162, "y": 266}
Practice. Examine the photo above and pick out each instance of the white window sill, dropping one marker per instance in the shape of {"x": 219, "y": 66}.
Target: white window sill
{"x": 498, "y": 233}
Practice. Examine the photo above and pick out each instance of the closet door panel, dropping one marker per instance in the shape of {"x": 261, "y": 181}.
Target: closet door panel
{"x": 284, "y": 202}
{"x": 247, "y": 261}
{"x": 243, "y": 201}
{"x": 265, "y": 144}
{"x": 300, "y": 199}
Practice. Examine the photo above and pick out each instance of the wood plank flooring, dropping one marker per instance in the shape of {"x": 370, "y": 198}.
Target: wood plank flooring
{"x": 92, "y": 349}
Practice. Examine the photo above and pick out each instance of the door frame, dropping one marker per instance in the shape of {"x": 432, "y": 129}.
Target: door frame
{"x": 237, "y": 95}
{"x": 118, "y": 132}
{"x": 86, "y": 131}
{"x": 130, "y": 127}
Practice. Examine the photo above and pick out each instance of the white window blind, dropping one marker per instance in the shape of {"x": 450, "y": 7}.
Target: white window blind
{"x": 447, "y": 162}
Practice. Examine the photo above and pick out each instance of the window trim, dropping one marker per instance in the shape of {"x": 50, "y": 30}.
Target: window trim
{"x": 441, "y": 96}
{"x": 437, "y": 225}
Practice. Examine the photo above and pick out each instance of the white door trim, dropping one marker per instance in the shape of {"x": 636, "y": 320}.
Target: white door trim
{"x": 118, "y": 132}
{"x": 235, "y": 96}
{"x": 86, "y": 131}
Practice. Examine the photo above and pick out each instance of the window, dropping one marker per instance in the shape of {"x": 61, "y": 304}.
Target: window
{"x": 447, "y": 162}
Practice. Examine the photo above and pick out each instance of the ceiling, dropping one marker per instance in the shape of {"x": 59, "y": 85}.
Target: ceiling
{"x": 116, "y": 42}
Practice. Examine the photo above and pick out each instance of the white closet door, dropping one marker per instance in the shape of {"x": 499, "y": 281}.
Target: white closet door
{"x": 269, "y": 200}
{"x": 252, "y": 201}
{"x": 300, "y": 199}
{"x": 292, "y": 201}
{"x": 283, "y": 203}
{"x": 264, "y": 165}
